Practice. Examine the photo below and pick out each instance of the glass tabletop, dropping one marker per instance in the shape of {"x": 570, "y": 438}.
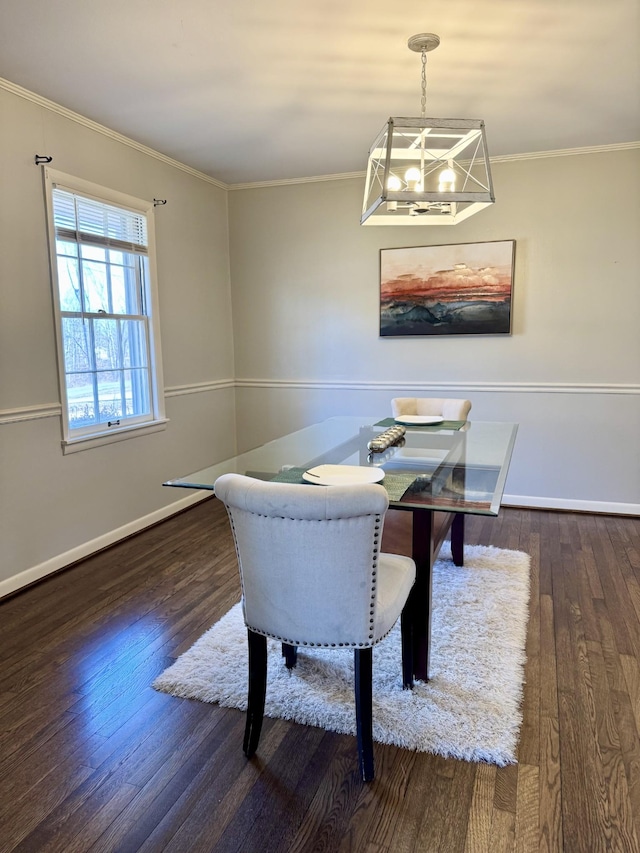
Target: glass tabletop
{"x": 452, "y": 466}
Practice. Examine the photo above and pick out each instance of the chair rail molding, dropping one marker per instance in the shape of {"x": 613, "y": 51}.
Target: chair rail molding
{"x": 506, "y": 387}
{"x": 30, "y": 413}
{"x": 199, "y": 387}
{"x": 54, "y": 410}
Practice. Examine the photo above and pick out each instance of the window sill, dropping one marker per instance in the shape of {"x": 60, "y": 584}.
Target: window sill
{"x": 86, "y": 442}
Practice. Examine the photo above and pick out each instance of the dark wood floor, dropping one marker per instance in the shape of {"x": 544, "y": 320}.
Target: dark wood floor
{"x": 92, "y": 758}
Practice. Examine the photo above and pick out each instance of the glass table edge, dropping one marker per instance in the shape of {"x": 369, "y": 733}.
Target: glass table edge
{"x": 189, "y": 482}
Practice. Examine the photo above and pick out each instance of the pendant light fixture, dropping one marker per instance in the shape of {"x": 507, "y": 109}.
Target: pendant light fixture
{"x": 427, "y": 171}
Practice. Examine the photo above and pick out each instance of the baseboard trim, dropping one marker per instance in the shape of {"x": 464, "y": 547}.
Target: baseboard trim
{"x": 571, "y": 505}
{"x": 86, "y": 549}
{"x": 63, "y": 561}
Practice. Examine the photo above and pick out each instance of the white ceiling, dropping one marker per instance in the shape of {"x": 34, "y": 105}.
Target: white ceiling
{"x": 248, "y": 91}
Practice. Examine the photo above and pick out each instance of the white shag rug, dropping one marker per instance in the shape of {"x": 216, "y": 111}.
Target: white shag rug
{"x": 469, "y": 709}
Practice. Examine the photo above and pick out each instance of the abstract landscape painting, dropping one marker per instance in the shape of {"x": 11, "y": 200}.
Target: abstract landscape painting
{"x": 458, "y": 289}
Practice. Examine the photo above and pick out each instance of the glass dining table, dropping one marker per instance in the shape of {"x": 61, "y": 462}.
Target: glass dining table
{"x": 438, "y": 473}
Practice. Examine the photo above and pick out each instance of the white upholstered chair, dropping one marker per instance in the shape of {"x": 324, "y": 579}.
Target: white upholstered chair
{"x": 447, "y": 408}
{"x": 312, "y": 575}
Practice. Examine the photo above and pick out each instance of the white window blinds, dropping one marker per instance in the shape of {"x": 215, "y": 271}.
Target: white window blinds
{"x": 84, "y": 220}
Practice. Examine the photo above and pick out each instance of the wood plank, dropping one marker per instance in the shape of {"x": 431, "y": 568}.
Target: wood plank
{"x": 587, "y": 808}
{"x": 175, "y": 795}
{"x": 479, "y": 836}
{"x": 625, "y": 626}
{"x": 619, "y": 817}
{"x": 274, "y": 807}
{"x": 529, "y": 746}
{"x": 550, "y": 782}
{"x": 376, "y": 814}
{"x": 627, "y": 709}
{"x": 527, "y": 809}
{"x": 506, "y": 791}
{"x": 91, "y": 758}
{"x": 503, "y": 831}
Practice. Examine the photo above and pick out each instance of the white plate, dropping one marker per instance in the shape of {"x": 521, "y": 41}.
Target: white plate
{"x": 419, "y": 419}
{"x": 343, "y": 475}
{"x": 420, "y": 456}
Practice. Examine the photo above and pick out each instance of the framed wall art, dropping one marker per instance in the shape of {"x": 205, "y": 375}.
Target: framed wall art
{"x": 457, "y": 289}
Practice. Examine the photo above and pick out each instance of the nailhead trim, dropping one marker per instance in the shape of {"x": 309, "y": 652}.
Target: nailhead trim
{"x": 298, "y": 643}
{"x": 303, "y": 643}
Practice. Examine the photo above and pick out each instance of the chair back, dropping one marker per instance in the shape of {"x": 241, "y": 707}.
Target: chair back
{"x": 446, "y": 407}
{"x": 307, "y": 557}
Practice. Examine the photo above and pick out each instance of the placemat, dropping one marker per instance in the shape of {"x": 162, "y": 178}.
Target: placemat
{"x": 387, "y": 422}
{"x": 396, "y": 483}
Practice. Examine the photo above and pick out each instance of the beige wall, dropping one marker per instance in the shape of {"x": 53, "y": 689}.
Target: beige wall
{"x": 304, "y": 342}
{"x": 56, "y": 508}
{"x": 305, "y": 307}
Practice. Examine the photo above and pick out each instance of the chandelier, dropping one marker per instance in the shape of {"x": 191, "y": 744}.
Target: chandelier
{"x": 427, "y": 171}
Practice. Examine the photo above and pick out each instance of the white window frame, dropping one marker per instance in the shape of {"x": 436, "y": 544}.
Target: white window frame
{"x": 74, "y": 439}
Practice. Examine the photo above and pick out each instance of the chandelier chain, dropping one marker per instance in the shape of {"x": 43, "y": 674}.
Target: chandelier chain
{"x": 423, "y": 100}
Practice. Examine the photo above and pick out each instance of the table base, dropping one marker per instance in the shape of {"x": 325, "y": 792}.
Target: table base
{"x": 419, "y": 534}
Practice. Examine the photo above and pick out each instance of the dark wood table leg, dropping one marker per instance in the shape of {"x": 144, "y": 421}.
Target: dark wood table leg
{"x": 420, "y": 599}
{"x": 457, "y": 539}
{"x": 425, "y": 544}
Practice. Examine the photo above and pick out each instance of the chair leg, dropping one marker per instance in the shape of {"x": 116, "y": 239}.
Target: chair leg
{"x": 363, "y": 660}
{"x": 257, "y": 691}
{"x": 290, "y": 655}
{"x": 406, "y": 623}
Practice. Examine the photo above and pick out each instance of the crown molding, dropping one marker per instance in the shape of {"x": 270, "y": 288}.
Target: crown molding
{"x": 566, "y": 152}
{"x": 504, "y": 158}
{"x": 285, "y": 182}
{"x": 343, "y": 176}
{"x": 105, "y": 131}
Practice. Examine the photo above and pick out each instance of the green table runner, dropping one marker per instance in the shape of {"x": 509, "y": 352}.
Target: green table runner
{"x": 389, "y": 422}
{"x": 395, "y": 482}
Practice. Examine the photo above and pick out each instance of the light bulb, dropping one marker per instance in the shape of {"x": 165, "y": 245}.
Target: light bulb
{"x": 393, "y": 183}
{"x": 413, "y": 178}
{"x": 447, "y": 181}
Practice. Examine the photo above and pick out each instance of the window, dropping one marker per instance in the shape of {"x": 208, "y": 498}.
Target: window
{"x": 106, "y": 311}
